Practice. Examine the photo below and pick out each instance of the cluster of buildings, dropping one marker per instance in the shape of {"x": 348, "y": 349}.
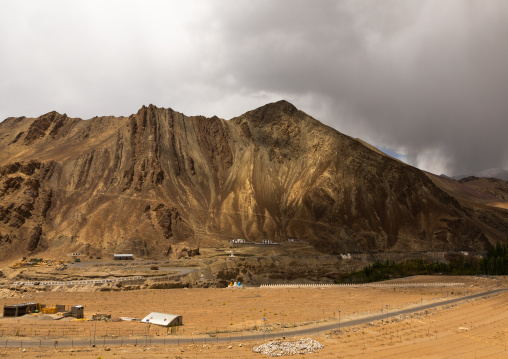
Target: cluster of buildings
{"x": 264, "y": 241}
{"x": 78, "y": 311}
{"x": 17, "y": 310}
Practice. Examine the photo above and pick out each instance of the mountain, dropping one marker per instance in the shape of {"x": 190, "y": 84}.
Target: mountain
{"x": 159, "y": 180}
{"x": 491, "y": 192}
{"x": 499, "y": 173}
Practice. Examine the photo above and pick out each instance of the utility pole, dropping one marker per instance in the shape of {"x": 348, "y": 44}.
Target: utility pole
{"x": 283, "y": 337}
{"x": 339, "y": 321}
{"x": 146, "y": 336}
{"x": 95, "y": 329}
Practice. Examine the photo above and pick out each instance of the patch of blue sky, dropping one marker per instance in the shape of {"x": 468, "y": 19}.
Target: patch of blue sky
{"x": 398, "y": 154}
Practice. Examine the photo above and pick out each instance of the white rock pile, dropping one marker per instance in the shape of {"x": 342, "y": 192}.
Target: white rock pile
{"x": 277, "y": 348}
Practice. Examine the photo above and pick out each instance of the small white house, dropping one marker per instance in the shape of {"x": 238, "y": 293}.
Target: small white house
{"x": 164, "y": 319}
{"x": 293, "y": 239}
{"x": 124, "y": 257}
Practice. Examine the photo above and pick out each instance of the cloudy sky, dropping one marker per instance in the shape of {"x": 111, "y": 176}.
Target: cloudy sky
{"x": 426, "y": 80}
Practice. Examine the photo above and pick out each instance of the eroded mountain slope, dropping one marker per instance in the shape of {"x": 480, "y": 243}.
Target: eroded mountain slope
{"x": 159, "y": 179}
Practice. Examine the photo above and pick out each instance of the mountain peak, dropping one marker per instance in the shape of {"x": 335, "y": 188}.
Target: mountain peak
{"x": 282, "y": 106}
{"x": 270, "y": 112}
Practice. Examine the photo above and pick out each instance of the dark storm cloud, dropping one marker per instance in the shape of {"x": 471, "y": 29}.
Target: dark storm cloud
{"x": 426, "y": 79}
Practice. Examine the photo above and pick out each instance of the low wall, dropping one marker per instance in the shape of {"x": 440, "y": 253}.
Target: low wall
{"x": 84, "y": 282}
{"x": 403, "y": 285}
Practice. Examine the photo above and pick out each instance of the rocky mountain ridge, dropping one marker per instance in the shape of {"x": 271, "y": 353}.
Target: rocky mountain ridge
{"x": 157, "y": 181}
{"x": 496, "y": 173}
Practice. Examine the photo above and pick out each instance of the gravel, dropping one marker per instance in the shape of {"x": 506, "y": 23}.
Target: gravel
{"x": 277, "y": 348}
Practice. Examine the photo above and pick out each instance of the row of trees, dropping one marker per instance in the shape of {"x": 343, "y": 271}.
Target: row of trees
{"x": 495, "y": 263}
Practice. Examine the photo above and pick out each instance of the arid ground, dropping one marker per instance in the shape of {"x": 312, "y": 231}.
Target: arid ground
{"x": 471, "y": 329}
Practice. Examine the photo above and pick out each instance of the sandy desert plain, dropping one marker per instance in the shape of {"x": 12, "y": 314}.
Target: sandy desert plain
{"x": 476, "y": 328}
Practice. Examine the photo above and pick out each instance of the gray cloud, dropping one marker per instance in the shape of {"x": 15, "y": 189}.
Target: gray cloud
{"x": 425, "y": 79}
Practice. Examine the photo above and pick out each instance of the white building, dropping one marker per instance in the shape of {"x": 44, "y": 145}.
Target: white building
{"x": 125, "y": 257}
{"x": 237, "y": 241}
{"x": 164, "y": 319}
{"x": 267, "y": 241}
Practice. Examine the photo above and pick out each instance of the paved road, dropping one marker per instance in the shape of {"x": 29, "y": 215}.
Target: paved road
{"x": 18, "y": 343}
